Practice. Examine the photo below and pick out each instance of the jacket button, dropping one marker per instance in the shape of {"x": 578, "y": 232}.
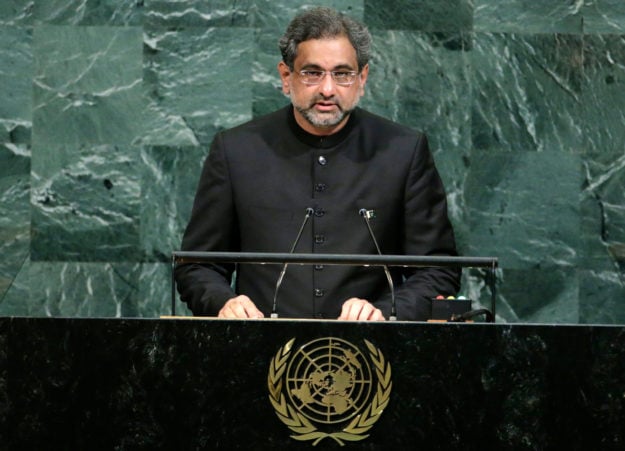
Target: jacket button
{"x": 322, "y": 160}
{"x": 319, "y": 292}
{"x": 319, "y": 239}
{"x": 319, "y": 212}
{"x": 318, "y": 267}
{"x": 320, "y": 187}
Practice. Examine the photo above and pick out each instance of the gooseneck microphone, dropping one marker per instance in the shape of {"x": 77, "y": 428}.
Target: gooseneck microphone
{"x": 274, "y": 307}
{"x": 367, "y": 214}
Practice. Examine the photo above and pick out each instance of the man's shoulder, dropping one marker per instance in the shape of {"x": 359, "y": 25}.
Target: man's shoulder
{"x": 264, "y": 123}
{"x": 381, "y": 125}
{"x": 378, "y": 130}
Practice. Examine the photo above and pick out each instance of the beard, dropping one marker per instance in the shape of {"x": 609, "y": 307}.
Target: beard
{"x": 323, "y": 119}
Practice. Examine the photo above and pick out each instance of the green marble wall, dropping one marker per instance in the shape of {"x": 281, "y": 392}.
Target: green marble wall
{"x": 107, "y": 109}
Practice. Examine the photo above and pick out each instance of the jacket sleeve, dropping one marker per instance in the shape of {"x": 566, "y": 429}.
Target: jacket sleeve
{"x": 212, "y": 227}
{"x": 427, "y": 231}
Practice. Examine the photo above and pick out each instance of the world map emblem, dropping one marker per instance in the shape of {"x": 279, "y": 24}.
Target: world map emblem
{"x": 329, "y": 388}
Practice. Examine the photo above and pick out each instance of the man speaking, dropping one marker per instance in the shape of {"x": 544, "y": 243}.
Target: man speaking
{"x": 322, "y": 166}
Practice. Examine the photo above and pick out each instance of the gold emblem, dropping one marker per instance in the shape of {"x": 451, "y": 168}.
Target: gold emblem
{"x": 327, "y": 389}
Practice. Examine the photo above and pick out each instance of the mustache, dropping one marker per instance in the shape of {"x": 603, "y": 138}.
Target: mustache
{"x": 321, "y": 99}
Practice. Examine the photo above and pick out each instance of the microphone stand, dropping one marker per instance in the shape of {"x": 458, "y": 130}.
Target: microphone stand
{"x": 274, "y": 307}
{"x": 366, "y": 214}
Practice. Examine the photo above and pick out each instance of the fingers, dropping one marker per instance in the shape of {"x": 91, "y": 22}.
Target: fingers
{"x": 356, "y": 309}
{"x": 240, "y": 307}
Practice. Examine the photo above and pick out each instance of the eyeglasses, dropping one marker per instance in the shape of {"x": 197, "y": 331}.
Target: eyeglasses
{"x": 340, "y": 77}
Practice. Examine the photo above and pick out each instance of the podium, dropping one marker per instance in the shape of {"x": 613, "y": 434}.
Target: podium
{"x": 205, "y": 384}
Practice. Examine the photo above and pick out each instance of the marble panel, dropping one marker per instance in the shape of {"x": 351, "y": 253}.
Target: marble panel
{"x": 169, "y": 183}
{"x": 549, "y": 295}
{"x": 524, "y": 208}
{"x": 603, "y": 94}
{"x": 155, "y": 293}
{"x": 16, "y": 73}
{"x": 15, "y": 301}
{"x": 266, "y": 85}
{"x": 247, "y": 13}
{"x": 528, "y": 16}
{"x": 197, "y": 81}
{"x": 602, "y": 209}
{"x": 85, "y": 203}
{"x": 527, "y": 92}
{"x": 87, "y": 290}
{"x": 420, "y": 15}
{"x": 601, "y": 296}
{"x": 603, "y": 194}
{"x": 16, "y": 12}
{"x": 87, "y": 85}
{"x": 197, "y": 13}
{"x": 276, "y": 15}
{"x": 14, "y": 217}
{"x": 76, "y": 289}
{"x": 423, "y": 80}
{"x": 88, "y": 12}
{"x": 604, "y": 16}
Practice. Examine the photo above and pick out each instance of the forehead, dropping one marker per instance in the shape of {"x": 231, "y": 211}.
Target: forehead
{"x": 326, "y": 53}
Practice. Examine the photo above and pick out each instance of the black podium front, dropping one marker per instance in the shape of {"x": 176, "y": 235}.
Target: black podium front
{"x": 218, "y": 384}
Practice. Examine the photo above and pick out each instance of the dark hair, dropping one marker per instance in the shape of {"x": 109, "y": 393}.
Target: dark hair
{"x": 322, "y": 23}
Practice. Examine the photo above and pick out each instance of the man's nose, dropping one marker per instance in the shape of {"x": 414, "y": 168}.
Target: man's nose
{"x": 327, "y": 87}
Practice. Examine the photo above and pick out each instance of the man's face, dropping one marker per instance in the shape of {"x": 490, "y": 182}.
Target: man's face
{"x": 323, "y": 109}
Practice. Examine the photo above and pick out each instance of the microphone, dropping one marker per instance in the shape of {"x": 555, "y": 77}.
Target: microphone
{"x": 274, "y": 308}
{"x": 367, "y": 214}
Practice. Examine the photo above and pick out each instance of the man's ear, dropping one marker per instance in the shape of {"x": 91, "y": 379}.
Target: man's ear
{"x": 285, "y": 76}
{"x": 364, "y": 73}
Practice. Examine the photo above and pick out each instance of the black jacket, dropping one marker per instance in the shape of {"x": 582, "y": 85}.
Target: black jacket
{"x": 260, "y": 178}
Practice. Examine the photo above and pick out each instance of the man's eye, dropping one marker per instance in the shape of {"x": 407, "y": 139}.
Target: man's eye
{"x": 341, "y": 75}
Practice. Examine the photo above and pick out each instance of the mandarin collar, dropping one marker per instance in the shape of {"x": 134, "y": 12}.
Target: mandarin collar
{"x": 322, "y": 142}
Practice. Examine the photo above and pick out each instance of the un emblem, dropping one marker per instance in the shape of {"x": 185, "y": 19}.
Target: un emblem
{"x": 328, "y": 389}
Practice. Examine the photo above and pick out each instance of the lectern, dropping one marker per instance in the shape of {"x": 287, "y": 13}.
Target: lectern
{"x": 283, "y": 384}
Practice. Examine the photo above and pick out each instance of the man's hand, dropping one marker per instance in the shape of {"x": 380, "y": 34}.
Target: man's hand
{"x": 240, "y": 307}
{"x": 356, "y": 309}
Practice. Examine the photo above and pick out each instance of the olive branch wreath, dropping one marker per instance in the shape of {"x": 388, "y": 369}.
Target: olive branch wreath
{"x": 303, "y": 428}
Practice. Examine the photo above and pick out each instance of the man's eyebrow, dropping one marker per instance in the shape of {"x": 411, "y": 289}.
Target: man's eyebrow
{"x": 343, "y": 67}
{"x": 312, "y": 66}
